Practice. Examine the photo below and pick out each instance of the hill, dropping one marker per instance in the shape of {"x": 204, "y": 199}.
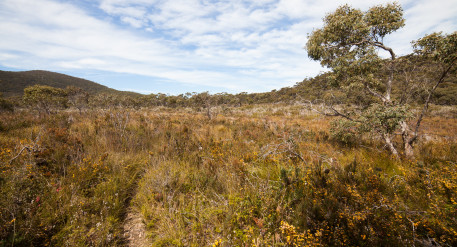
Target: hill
{"x": 13, "y": 83}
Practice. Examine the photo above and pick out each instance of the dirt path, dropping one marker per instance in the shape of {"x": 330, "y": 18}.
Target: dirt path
{"x": 135, "y": 230}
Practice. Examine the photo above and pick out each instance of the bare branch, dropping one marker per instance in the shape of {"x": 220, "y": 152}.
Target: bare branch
{"x": 33, "y": 147}
{"x": 286, "y": 146}
{"x": 334, "y": 113}
{"x": 424, "y": 110}
{"x": 20, "y": 152}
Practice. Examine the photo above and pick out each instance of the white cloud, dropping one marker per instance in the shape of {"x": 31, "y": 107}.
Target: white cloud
{"x": 233, "y": 45}
{"x": 137, "y": 23}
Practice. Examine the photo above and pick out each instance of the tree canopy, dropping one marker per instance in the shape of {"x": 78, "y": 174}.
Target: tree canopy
{"x": 44, "y": 98}
{"x": 349, "y": 44}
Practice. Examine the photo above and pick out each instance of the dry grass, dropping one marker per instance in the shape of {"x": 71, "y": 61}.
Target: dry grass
{"x": 251, "y": 176}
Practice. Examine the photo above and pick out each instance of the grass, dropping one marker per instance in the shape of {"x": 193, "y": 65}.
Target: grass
{"x": 248, "y": 177}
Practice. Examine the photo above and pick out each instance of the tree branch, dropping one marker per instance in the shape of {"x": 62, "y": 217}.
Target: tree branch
{"x": 348, "y": 44}
{"x": 429, "y": 96}
{"x": 376, "y": 94}
{"x": 382, "y": 46}
{"x": 335, "y": 113}
{"x": 20, "y": 152}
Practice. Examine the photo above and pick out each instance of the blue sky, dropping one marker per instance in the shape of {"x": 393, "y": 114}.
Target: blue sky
{"x": 179, "y": 46}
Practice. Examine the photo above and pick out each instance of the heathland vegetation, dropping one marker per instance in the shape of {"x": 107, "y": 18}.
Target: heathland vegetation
{"x": 365, "y": 154}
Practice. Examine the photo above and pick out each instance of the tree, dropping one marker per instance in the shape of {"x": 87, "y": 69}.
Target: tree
{"x": 243, "y": 98}
{"x": 204, "y": 100}
{"x": 45, "y": 98}
{"x": 349, "y": 44}
{"x": 77, "y": 97}
{"x": 103, "y": 101}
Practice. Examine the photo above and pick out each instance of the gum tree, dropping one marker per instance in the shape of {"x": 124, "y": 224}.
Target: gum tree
{"x": 44, "y": 98}
{"x": 350, "y": 43}
{"x": 77, "y": 97}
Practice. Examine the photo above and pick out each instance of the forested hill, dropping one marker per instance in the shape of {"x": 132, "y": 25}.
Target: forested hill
{"x": 13, "y": 83}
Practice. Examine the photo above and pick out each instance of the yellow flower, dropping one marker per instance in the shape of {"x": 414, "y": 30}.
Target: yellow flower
{"x": 217, "y": 243}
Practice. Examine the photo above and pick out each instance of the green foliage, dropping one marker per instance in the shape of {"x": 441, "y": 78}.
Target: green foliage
{"x": 446, "y": 95}
{"x": 44, "y": 98}
{"x": 442, "y": 48}
{"x": 348, "y": 41}
{"x": 383, "y": 20}
{"x": 77, "y": 97}
{"x": 384, "y": 119}
{"x": 377, "y": 120}
{"x": 344, "y": 131}
{"x": 349, "y": 44}
{"x": 103, "y": 101}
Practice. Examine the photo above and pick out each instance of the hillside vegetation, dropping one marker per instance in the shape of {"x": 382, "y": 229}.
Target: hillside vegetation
{"x": 13, "y": 83}
{"x": 318, "y": 89}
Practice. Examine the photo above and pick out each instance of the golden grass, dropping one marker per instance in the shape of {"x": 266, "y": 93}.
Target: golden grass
{"x": 248, "y": 177}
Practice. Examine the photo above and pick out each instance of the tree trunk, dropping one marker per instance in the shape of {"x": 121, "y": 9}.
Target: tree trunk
{"x": 208, "y": 112}
{"x": 390, "y": 145}
{"x": 408, "y": 138}
{"x": 409, "y": 152}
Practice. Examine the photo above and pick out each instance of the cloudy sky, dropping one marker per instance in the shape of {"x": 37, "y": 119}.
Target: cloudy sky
{"x": 177, "y": 46}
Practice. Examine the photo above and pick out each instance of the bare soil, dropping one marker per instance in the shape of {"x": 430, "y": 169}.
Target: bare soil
{"x": 135, "y": 230}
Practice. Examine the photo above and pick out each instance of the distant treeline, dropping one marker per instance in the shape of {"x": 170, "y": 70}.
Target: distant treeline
{"x": 323, "y": 88}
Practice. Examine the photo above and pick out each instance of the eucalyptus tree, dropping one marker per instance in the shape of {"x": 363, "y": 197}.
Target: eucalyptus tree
{"x": 77, "y": 97}
{"x": 351, "y": 44}
{"x": 45, "y": 98}
{"x": 204, "y": 100}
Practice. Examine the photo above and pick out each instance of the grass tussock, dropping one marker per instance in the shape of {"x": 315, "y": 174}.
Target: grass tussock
{"x": 247, "y": 177}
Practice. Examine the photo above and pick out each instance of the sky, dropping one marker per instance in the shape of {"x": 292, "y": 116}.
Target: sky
{"x": 178, "y": 46}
